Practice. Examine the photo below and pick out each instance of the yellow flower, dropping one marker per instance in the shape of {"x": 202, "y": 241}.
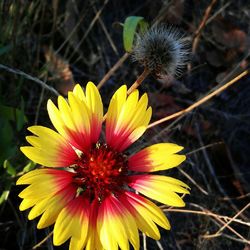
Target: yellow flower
{"x": 89, "y": 189}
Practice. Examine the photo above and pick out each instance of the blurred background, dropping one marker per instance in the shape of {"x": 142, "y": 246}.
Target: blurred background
{"x": 47, "y": 46}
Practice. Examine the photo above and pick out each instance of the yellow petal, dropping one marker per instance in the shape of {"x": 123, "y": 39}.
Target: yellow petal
{"x": 157, "y": 157}
{"x": 146, "y": 215}
{"x": 127, "y": 118}
{"x": 72, "y": 221}
{"x": 55, "y": 205}
{"x": 93, "y": 240}
{"x": 27, "y": 203}
{"x": 79, "y": 120}
{"x": 49, "y": 148}
{"x": 56, "y": 119}
{"x": 160, "y": 188}
{"x": 51, "y": 205}
{"x": 78, "y": 92}
{"x": 116, "y": 226}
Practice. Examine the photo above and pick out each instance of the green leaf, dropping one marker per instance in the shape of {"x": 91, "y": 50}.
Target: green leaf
{"x": 129, "y": 30}
{"x": 14, "y": 114}
{"x": 31, "y": 165}
{"x": 6, "y": 190}
{"x": 21, "y": 119}
{"x": 7, "y": 112}
{"x": 9, "y": 168}
{"x": 4, "y": 196}
{"x": 5, "y": 49}
{"x": 7, "y": 148}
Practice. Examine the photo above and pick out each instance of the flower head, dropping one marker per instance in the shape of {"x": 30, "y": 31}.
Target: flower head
{"x": 161, "y": 50}
{"x": 88, "y": 187}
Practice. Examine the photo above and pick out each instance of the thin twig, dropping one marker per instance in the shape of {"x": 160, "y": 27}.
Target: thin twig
{"x": 231, "y": 229}
{"x": 39, "y": 106}
{"x": 201, "y": 101}
{"x": 73, "y": 31}
{"x": 233, "y": 238}
{"x": 113, "y": 69}
{"x": 208, "y": 162}
{"x": 197, "y": 34}
{"x": 204, "y": 147}
{"x": 211, "y": 18}
{"x": 193, "y": 181}
{"x": 91, "y": 25}
{"x": 222, "y": 222}
{"x": 135, "y": 85}
{"x": 144, "y": 240}
{"x": 139, "y": 81}
{"x": 228, "y": 222}
{"x": 158, "y": 243}
{"x": 206, "y": 213}
{"x": 34, "y": 79}
{"x": 112, "y": 44}
{"x": 235, "y": 198}
{"x": 43, "y": 240}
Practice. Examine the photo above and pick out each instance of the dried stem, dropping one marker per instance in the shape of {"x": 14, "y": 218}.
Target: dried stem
{"x": 228, "y": 222}
{"x": 112, "y": 70}
{"x": 135, "y": 85}
{"x": 219, "y": 218}
{"x": 27, "y": 76}
{"x": 42, "y": 241}
{"x": 201, "y": 101}
{"x": 139, "y": 81}
{"x": 193, "y": 181}
{"x": 207, "y": 213}
{"x": 197, "y": 33}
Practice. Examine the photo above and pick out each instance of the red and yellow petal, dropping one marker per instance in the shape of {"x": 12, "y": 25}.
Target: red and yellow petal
{"x": 127, "y": 118}
{"x": 49, "y": 148}
{"x": 157, "y": 157}
{"x": 80, "y": 119}
{"x": 55, "y": 205}
{"x": 94, "y": 102}
{"x": 116, "y": 226}
{"x": 92, "y": 241}
{"x": 160, "y": 188}
{"x": 48, "y": 192}
{"x": 72, "y": 222}
{"x": 146, "y": 214}
{"x": 43, "y": 183}
{"x": 51, "y": 207}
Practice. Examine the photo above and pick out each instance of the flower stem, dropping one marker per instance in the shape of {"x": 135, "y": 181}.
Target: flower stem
{"x": 135, "y": 85}
{"x": 112, "y": 70}
{"x": 139, "y": 81}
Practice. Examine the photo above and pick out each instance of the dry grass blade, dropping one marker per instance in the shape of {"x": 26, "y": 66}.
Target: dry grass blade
{"x": 32, "y": 78}
{"x": 97, "y": 15}
{"x": 230, "y": 220}
{"x": 205, "y": 212}
{"x": 197, "y": 34}
{"x": 117, "y": 65}
{"x": 219, "y": 218}
{"x": 43, "y": 241}
{"x": 201, "y": 101}
{"x": 193, "y": 181}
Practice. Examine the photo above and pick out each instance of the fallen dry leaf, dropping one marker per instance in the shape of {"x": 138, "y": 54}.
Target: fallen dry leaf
{"x": 60, "y": 70}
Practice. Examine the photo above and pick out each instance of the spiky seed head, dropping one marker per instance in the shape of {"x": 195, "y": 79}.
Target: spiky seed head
{"x": 161, "y": 50}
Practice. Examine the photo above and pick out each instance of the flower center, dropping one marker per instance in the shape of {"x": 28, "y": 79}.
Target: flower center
{"x": 101, "y": 171}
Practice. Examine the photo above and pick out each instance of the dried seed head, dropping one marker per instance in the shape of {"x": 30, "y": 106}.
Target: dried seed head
{"x": 161, "y": 50}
